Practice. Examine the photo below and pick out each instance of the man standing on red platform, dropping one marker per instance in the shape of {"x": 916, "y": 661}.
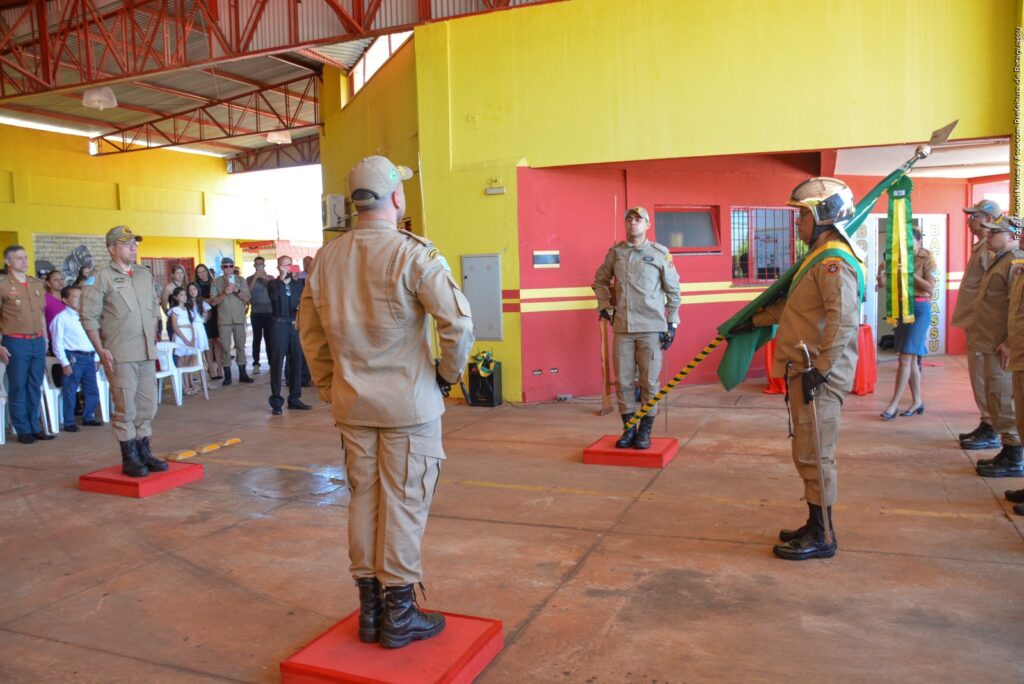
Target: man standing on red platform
{"x": 364, "y": 329}
{"x": 644, "y": 313}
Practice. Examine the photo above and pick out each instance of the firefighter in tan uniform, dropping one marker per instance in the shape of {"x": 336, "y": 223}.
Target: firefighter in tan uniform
{"x": 983, "y": 436}
{"x": 230, "y": 294}
{"x": 644, "y": 313}
{"x": 821, "y": 310}
{"x": 989, "y": 330}
{"x": 365, "y": 333}
{"x": 120, "y": 313}
{"x": 23, "y": 347}
{"x": 1013, "y": 351}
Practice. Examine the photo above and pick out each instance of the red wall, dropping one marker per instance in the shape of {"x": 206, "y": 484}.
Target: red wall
{"x": 578, "y": 211}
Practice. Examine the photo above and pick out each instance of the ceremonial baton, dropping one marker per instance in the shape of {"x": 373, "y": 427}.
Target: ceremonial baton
{"x": 826, "y": 516}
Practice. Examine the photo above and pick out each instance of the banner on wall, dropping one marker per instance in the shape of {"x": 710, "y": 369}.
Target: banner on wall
{"x": 68, "y": 253}
{"x": 215, "y": 250}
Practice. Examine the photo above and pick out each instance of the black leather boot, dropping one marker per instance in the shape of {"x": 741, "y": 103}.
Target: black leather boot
{"x": 810, "y": 544}
{"x": 154, "y": 464}
{"x": 1014, "y": 495}
{"x": 998, "y": 460}
{"x": 404, "y": 622}
{"x": 242, "y": 375}
{"x": 130, "y": 463}
{"x": 983, "y": 427}
{"x": 643, "y": 434}
{"x": 986, "y": 438}
{"x": 371, "y": 609}
{"x": 1009, "y": 463}
{"x": 227, "y": 376}
{"x": 790, "y": 535}
{"x": 1019, "y": 509}
{"x": 628, "y": 436}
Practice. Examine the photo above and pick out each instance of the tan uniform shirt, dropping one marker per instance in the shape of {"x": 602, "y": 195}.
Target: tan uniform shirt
{"x": 987, "y": 328}
{"x": 21, "y": 306}
{"x": 823, "y": 311}
{"x": 231, "y": 309}
{"x": 124, "y": 309}
{"x": 646, "y": 287}
{"x": 925, "y": 268}
{"x": 970, "y": 286}
{"x": 364, "y": 327}
{"x": 1015, "y": 319}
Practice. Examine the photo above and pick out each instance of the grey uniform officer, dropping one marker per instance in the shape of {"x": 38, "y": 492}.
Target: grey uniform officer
{"x": 637, "y": 289}
{"x": 120, "y": 313}
{"x": 364, "y": 329}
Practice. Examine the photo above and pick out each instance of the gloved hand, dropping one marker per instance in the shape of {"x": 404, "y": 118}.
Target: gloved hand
{"x": 744, "y": 327}
{"x": 668, "y": 337}
{"x": 443, "y": 385}
{"x": 810, "y": 381}
{"x": 607, "y": 314}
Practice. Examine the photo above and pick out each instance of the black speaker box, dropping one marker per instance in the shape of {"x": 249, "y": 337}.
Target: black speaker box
{"x": 484, "y": 391}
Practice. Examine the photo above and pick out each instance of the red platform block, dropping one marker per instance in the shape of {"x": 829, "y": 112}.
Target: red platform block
{"x": 603, "y": 452}
{"x": 111, "y": 481}
{"x": 456, "y": 656}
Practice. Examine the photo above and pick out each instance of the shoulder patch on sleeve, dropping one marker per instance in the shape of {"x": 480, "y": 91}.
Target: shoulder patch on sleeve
{"x": 91, "y": 280}
{"x": 831, "y": 265}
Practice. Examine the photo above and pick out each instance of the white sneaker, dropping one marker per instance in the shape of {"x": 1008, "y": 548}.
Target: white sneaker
{"x": 255, "y": 369}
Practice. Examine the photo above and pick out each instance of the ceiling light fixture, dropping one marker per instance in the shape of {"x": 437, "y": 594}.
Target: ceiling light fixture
{"x": 99, "y": 98}
{"x": 279, "y": 137}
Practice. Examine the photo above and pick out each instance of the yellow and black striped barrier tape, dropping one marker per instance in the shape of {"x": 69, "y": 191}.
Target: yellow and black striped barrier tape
{"x": 663, "y": 392}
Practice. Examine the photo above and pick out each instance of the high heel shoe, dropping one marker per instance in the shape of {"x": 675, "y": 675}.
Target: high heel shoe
{"x": 914, "y": 412}
{"x": 887, "y": 416}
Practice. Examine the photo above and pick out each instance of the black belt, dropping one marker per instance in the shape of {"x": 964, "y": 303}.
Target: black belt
{"x": 76, "y": 351}
{"x": 282, "y": 318}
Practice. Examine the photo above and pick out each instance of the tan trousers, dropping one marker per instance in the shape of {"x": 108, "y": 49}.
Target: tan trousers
{"x": 637, "y": 353}
{"x": 392, "y": 474}
{"x": 828, "y": 403}
{"x": 227, "y": 333}
{"x": 976, "y": 373}
{"x": 999, "y": 383}
{"x": 133, "y": 391}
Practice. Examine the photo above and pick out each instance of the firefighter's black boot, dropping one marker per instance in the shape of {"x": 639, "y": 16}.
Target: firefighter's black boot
{"x": 371, "y": 609}
{"x": 1009, "y": 463}
{"x": 130, "y": 463}
{"x": 983, "y": 438}
{"x": 227, "y": 376}
{"x": 643, "y": 434}
{"x": 810, "y": 544}
{"x": 404, "y": 622}
{"x": 242, "y": 375}
{"x": 982, "y": 427}
{"x": 152, "y": 463}
{"x": 628, "y": 436}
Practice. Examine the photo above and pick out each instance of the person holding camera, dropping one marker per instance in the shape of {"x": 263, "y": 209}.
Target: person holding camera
{"x": 285, "y": 292}
{"x": 229, "y": 294}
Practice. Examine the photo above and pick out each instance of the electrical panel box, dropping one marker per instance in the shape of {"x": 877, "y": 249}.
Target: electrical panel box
{"x": 481, "y": 283}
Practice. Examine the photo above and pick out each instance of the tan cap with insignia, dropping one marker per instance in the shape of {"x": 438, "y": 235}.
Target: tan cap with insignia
{"x": 121, "y": 234}
{"x": 378, "y": 176}
{"x": 639, "y": 211}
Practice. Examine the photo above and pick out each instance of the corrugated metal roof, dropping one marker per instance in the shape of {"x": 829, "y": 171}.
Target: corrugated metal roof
{"x": 347, "y": 53}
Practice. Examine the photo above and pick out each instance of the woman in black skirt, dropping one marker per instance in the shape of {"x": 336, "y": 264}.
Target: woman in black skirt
{"x": 213, "y": 355}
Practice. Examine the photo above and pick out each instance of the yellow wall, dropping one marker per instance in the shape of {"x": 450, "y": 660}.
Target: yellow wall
{"x": 50, "y": 184}
{"x": 380, "y": 119}
{"x": 589, "y": 81}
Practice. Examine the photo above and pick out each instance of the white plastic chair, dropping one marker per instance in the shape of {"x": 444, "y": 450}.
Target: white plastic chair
{"x": 103, "y": 385}
{"x": 196, "y": 367}
{"x": 166, "y": 369}
{"x": 53, "y": 406}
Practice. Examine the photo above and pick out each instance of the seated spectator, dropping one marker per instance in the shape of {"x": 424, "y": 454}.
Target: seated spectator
{"x": 78, "y": 360}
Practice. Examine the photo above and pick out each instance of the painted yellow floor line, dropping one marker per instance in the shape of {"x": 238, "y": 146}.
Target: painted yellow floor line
{"x": 205, "y": 449}
{"x": 535, "y": 488}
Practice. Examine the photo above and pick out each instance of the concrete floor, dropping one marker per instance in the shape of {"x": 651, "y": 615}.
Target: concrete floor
{"x": 600, "y": 574}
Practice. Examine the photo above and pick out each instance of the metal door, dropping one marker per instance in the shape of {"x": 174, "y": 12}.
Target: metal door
{"x": 481, "y": 282}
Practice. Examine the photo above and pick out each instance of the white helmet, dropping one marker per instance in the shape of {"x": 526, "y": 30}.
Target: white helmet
{"x": 828, "y": 199}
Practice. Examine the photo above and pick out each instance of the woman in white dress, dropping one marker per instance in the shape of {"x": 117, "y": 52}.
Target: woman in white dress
{"x": 200, "y": 313}
{"x": 181, "y": 326}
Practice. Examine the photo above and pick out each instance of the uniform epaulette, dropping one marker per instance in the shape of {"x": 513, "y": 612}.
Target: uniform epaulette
{"x": 660, "y": 247}
{"x": 620, "y": 243}
{"x": 418, "y": 238}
